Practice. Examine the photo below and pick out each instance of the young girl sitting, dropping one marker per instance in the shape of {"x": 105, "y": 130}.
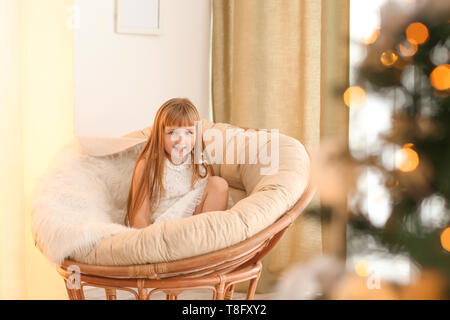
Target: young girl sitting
{"x": 166, "y": 183}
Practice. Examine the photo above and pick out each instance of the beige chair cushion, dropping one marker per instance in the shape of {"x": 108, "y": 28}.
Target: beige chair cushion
{"x": 259, "y": 201}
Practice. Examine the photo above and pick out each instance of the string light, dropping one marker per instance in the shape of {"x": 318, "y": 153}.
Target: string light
{"x": 440, "y": 77}
{"x": 406, "y": 159}
{"x": 372, "y": 38}
{"x": 354, "y": 97}
{"x": 417, "y": 33}
{"x": 445, "y": 239}
{"x": 362, "y": 268}
{"x": 388, "y": 58}
{"x": 408, "y": 145}
{"x": 408, "y": 49}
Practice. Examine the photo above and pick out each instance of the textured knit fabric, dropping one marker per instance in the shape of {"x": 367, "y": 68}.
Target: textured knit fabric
{"x": 180, "y": 199}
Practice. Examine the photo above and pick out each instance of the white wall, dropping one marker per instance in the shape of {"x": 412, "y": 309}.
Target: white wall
{"x": 121, "y": 80}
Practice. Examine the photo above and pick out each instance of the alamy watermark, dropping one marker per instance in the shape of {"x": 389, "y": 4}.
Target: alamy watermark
{"x": 373, "y": 281}
{"x": 240, "y": 146}
{"x": 73, "y": 20}
{"x": 74, "y": 280}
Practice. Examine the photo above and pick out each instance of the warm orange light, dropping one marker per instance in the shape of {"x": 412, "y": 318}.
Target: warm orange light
{"x": 362, "y": 268}
{"x": 388, "y": 58}
{"x": 354, "y": 97}
{"x": 445, "y": 239}
{"x": 373, "y": 37}
{"x": 408, "y": 49}
{"x": 406, "y": 159}
{"x": 417, "y": 33}
{"x": 440, "y": 77}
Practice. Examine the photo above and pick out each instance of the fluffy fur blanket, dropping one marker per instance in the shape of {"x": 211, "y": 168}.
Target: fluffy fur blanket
{"x": 80, "y": 200}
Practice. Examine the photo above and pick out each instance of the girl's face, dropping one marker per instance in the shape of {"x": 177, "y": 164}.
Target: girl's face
{"x": 178, "y": 141}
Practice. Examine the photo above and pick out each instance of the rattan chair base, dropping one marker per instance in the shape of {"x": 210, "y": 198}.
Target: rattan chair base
{"x": 221, "y": 285}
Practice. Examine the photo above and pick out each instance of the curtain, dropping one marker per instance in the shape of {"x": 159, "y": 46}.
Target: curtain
{"x": 36, "y": 108}
{"x": 11, "y": 180}
{"x": 277, "y": 64}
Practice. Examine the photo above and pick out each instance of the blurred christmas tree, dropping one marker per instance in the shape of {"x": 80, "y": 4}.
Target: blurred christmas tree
{"x": 408, "y": 58}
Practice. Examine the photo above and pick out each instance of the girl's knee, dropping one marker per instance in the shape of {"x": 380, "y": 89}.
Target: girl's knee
{"x": 218, "y": 183}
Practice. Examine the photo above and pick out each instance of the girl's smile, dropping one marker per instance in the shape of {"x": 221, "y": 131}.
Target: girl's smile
{"x": 178, "y": 141}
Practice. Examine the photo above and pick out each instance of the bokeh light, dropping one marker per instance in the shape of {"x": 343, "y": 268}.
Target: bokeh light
{"x": 407, "y": 49}
{"x": 417, "y": 33}
{"x": 406, "y": 159}
{"x": 408, "y": 145}
{"x": 439, "y": 55}
{"x": 372, "y": 38}
{"x": 362, "y": 268}
{"x": 354, "y": 97}
{"x": 433, "y": 213}
{"x": 388, "y": 58}
{"x": 440, "y": 77}
{"x": 445, "y": 239}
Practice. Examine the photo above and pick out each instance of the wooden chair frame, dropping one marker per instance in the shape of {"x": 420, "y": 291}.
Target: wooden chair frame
{"x": 218, "y": 271}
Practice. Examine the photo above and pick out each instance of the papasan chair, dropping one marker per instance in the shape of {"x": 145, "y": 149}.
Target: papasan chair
{"x": 80, "y": 202}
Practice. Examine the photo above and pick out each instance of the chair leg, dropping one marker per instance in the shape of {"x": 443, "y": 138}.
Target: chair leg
{"x": 70, "y": 295}
{"x": 142, "y": 294}
{"x": 110, "y": 294}
{"x": 229, "y": 293}
{"x": 252, "y": 288}
{"x": 142, "y": 291}
{"x": 69, "y": 292}
{"x": 220, "y": 295}
{"x": 220, "y": 288}
{"x": 74, "y": 294}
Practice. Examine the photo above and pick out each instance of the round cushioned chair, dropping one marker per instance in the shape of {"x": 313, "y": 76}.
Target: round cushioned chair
{"x": 81, "y": 202}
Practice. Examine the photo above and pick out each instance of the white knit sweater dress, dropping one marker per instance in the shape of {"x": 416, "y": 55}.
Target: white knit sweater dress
{"x": 180, "y": 200}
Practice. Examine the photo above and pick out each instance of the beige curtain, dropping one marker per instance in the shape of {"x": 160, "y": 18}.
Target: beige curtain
{"x": 276, "y": 64}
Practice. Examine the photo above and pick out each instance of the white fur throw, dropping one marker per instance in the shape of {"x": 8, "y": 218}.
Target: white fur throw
{"x": 80, "y": 200}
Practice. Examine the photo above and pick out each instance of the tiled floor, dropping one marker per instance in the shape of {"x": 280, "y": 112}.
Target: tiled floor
{"x": 92, "y": 293}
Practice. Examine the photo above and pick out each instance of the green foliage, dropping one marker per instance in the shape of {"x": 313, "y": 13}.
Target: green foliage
{"x": 423, "y": 121}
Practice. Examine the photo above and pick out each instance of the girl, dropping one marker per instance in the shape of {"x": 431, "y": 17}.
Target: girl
{"x": 166, "y": 183}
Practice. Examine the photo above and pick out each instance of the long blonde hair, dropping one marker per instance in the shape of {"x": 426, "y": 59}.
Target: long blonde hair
{"x": 174, "y": 112}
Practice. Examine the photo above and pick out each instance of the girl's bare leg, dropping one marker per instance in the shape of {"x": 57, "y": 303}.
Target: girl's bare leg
{"x": 215, "y": 196}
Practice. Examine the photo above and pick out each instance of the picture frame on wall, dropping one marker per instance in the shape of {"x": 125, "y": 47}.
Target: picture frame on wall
{"x": 141, "y": 17}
